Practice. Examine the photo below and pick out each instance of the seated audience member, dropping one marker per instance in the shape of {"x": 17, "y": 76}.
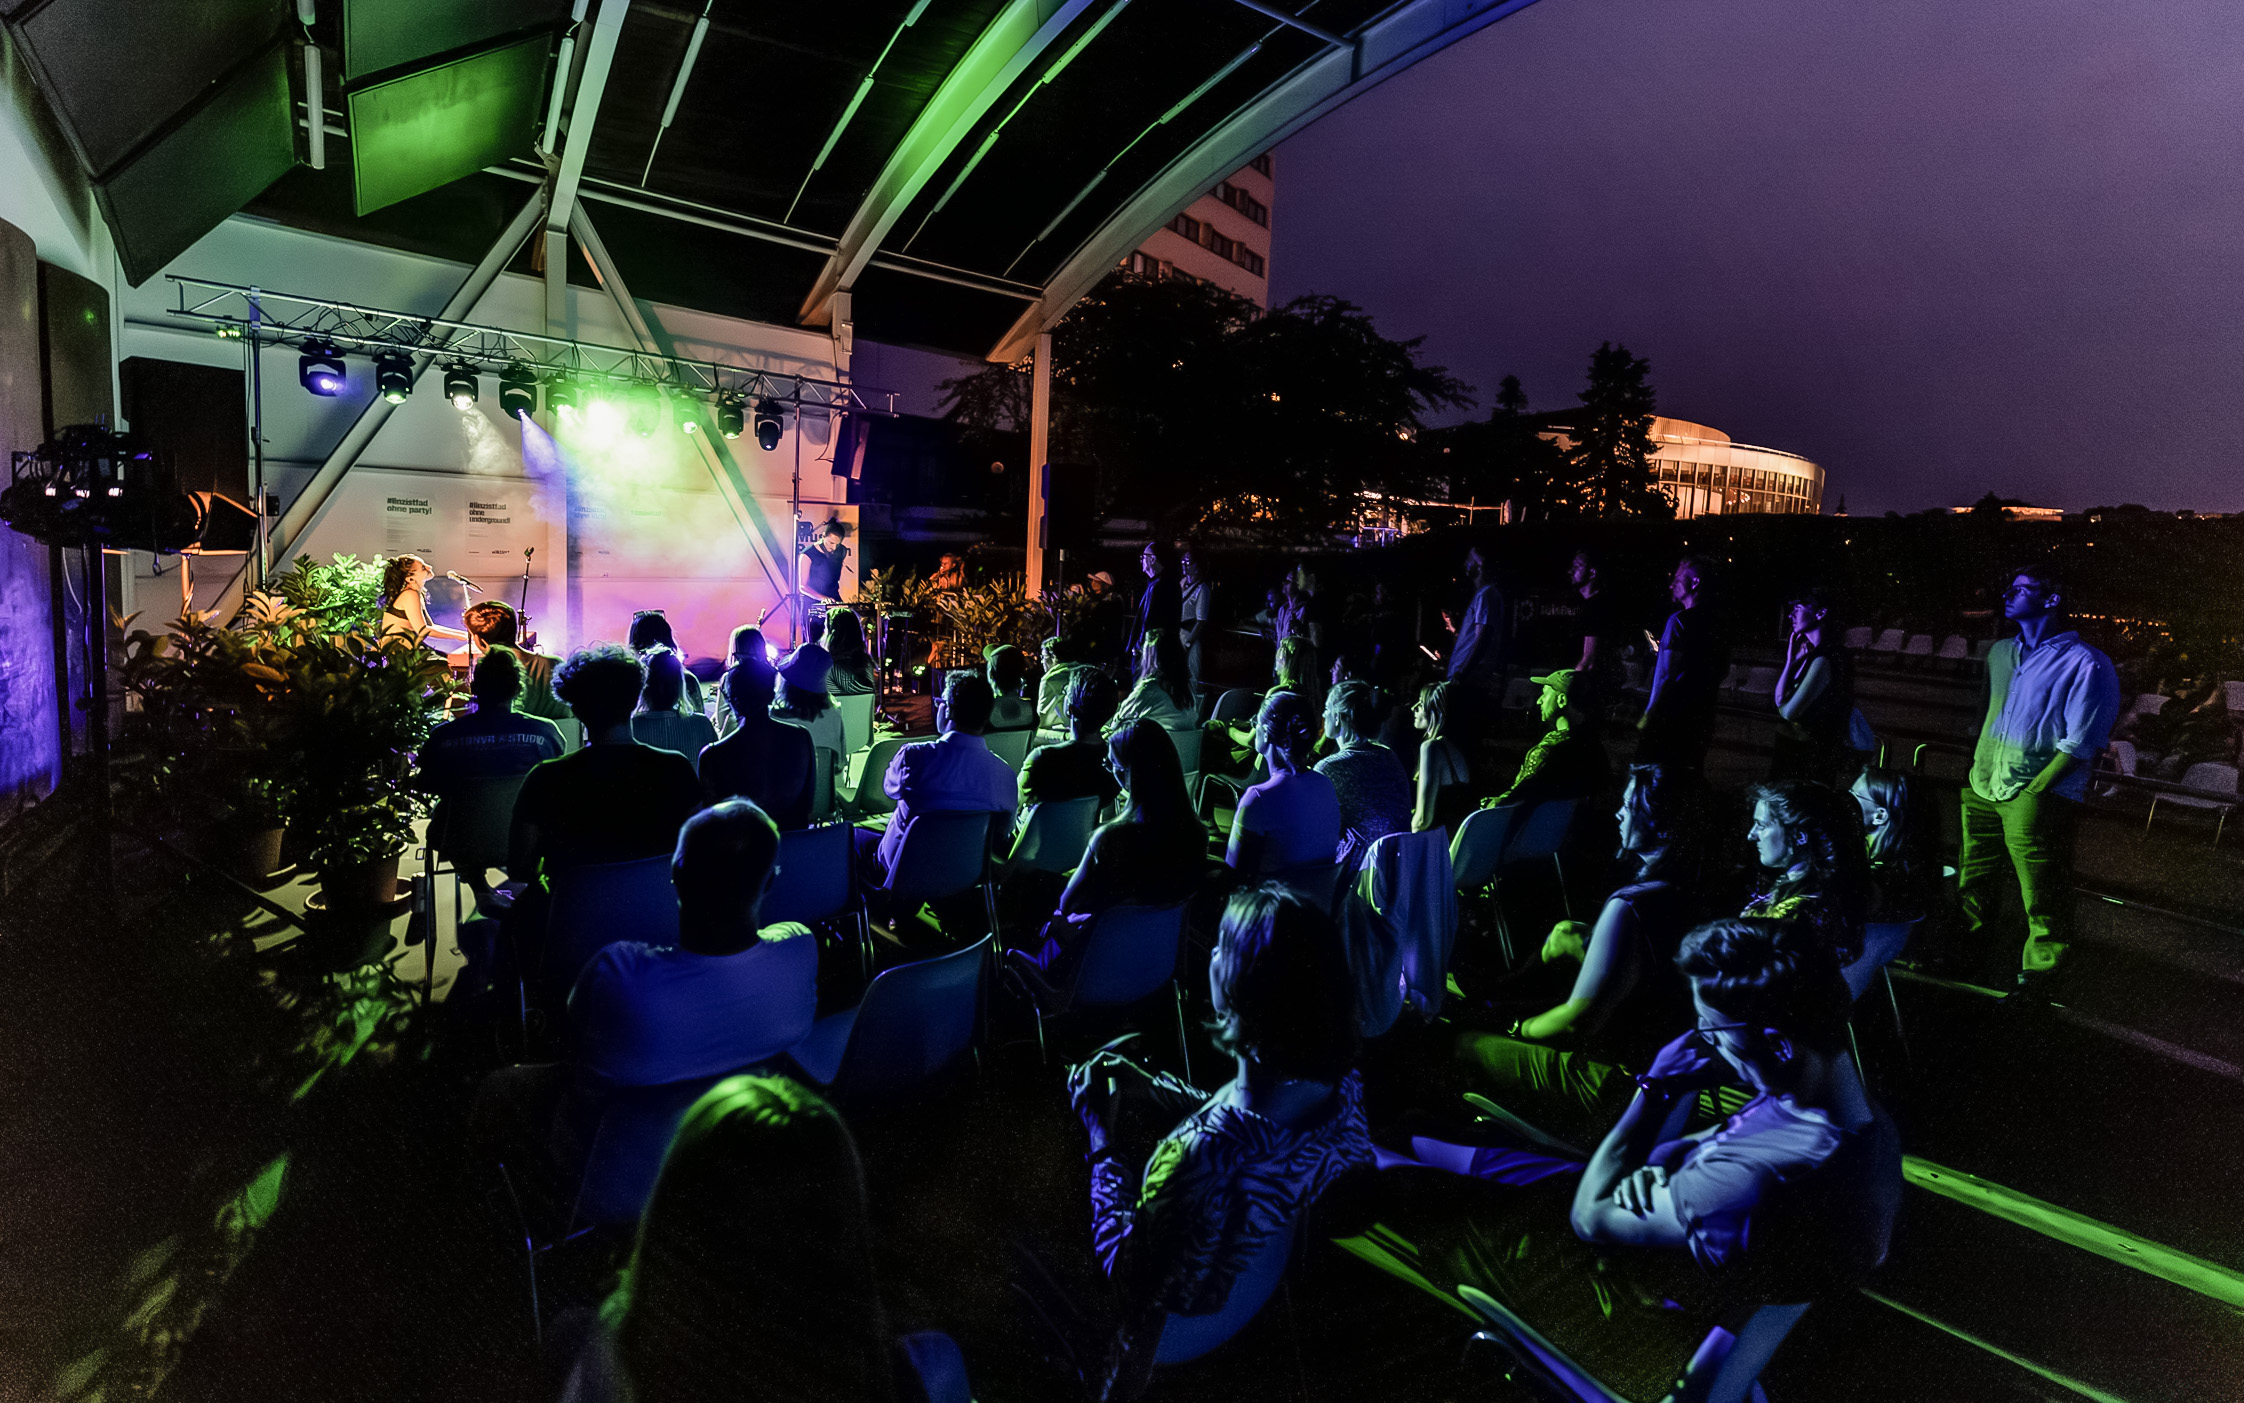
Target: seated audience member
{"x": 1372, "y": 786}
{"x": 1007, "y": 672}
{"x": 1901, "y": 875}
{"x": 764, "y": 760}
{"x": 1445, "y": 768}
{"x": 1794, "y": 1197}
{"x": 804, "y": 701}
{"x": 1291, "y": 821}
{"x": 746, "y": 650}
{"x": 845, "y": 644}
{"x": 651, "y": 630}
{"x": 1568, "y": 762}
{"x": 658, "y": 721}
{"x": 1154, "y": 854}
{"x": 1294, "y": 669}
{"x": 1075, "y": 768}
{"x": 814, "y": 636}
{"x": 954, "y": 773}
{"x": 613, "y": 801}
{"x": 1808, "y": 839}
{"x": 1062, "y": 660}
{"x": 1573, "y": 1060}
{"x": 493, "y": 624}
{"x": 1163, "y": 693}
{"x": 492, "y": 742}
{"x": 1790, "y": 1200}
{"x": 730, "y": 994}
{"x": 753, "y": 1262}
{"x": 1174, "y": 1220}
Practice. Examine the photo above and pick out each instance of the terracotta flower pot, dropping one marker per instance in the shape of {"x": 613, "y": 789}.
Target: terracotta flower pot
{"x": 360, "y": 886}
{"x": 245, "y": 850}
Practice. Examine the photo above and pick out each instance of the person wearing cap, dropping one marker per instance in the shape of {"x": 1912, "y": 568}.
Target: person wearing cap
{"x": 1569, "y": 761}
{"x": 1007, "y": 672}
{"x": 804, "y": 701}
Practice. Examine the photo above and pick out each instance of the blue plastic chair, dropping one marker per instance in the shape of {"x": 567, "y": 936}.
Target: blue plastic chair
{"x": 914, "y": 1020}
{"x": 1725, "y": 1368}
{"x": 1882, "y": 944}
{"x": 942, "y": 855}
{"x": 633, "y": 1133}
{"x": 1011, "y": 746}
{"x": 1479, "y": 846}
{"x": 817, "y": 882}
{"x": 1537, "y": 835}
{"x": 937, "y": 1366}
{"x": 598, "y": 904}
{"x": 1187, "y": 1337}
{"x": 1129, "y": 952}
{"x": 1054, "y": 836}
{"x": 1236, "y": 705}
{"x": 870, "y": 799}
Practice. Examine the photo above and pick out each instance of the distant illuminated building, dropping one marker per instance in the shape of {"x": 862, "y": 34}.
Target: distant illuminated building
{"x": 1221, "y": 238}
{"x": 1707, "y": 475}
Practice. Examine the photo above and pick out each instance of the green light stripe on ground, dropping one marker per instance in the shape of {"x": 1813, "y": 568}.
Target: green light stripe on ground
{"x": 2061, "y": 1380}
{"x": 2208, "y": 1279}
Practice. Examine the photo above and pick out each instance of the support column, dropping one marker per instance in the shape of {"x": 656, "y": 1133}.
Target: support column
{"x": 1040, "y": 468}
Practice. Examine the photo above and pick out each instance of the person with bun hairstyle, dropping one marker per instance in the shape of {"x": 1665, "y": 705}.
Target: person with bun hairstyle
{"x": 1808, "y": 841}
{"x": 1292, "y": 819}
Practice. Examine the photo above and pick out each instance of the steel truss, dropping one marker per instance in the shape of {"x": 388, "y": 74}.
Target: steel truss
{"x": 284, "y": 317}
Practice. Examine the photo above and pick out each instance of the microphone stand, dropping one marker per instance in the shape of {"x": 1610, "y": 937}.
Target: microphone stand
{"x": 522, "y": 611}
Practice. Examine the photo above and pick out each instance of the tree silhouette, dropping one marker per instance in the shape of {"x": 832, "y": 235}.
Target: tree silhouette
{"x": 1608, "y": 466}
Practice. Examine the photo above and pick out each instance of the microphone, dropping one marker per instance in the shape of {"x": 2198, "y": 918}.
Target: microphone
{"x": 461, "y": 580}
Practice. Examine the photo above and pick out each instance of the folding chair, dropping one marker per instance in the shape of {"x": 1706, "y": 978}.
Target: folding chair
{"x": 1236, "y": 705}
{"x": 1188, "y": 754}
{"x": 817, "y": 883}
{"x": 869, "y": 799}
{"x": 1724, "y": 1368}
{"x": 2118, "y": 759}
{"x": 1475, "y": 854}
{"x": 597, "y": 904}
{"x": 1858, "y": 638}
{"x": 914, "y": 1021}
{"x": 1882, "y": 944}
{"x": 1187, "y": 1337}
{"x": 857, "y": 721}
{"x": 1011, "y": 746}
{"x": 1128, "y": 953}
{"x": 1955, "y": 648}
{"x": 1542, "y": 833}
{"x": 1918, "y": 646}
{"x": 1407, "y": 878}
{"x": 1053, "y": 837}
{"x": 2206, "y": 775}
{"x": 1890, "y": 641}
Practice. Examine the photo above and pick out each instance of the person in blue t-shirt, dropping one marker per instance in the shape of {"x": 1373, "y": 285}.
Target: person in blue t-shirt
{"x": 492, "y": 742}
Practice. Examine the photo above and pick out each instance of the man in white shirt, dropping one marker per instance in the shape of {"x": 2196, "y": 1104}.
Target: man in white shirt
{"x": 2051, "y": 702}
{"x": 954, "y": 773}
{"x": 1477, "y": 660}
{"x": 1194, "y": 617}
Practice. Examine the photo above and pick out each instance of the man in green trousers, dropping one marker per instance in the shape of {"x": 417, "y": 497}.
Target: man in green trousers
{"x": 2051, "y": 701}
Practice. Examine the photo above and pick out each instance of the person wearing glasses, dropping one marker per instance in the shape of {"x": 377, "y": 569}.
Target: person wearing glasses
{"x": 2051, "y": 702}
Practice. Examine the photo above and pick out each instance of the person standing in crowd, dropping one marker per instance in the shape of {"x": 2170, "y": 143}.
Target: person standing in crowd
{"x": 747, "y": 650}
{"x": 853, "y": 661}
{"x": 1007, "y": 672}
{"x": 1678, "y": 720}
{"x": 822, "y": 559}
{"x": 1597, "y": 673}
{"x": 492, "y": 742}
{"x": 2051, "y": 702}
{"x": 1568, "y": 761}
{"x": 1814, "y": 695}
{"x": 650, "y": 629}
{"x": 1370, "y": 782}
{"x": 1161, "y": 606}
{"x": 405, "y": 609}
{"x": 494, "y": 624}
{"x": 1194, "y": 616}
{"x": 1476, "y": 662}
{"x": 659, "y": 722}
{"x": 764, "y": 760}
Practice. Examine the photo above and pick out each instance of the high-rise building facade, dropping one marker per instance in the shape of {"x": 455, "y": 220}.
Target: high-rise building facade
{"x": 1222, "y": 238}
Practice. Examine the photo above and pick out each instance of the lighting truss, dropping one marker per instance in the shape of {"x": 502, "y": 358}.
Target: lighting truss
{"x": 233, "y": 310}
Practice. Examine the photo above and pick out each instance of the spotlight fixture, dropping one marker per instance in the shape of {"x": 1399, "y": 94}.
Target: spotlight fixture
{"x": 561, "y": 395}
{"x": 320, "y": 368}
{"x": 768, "y": 425}
{"x": 732, "y": 415}
{"x": 642, "y": 408}
{"x": 460, "y": 384}
{"x": 393, "y": 376}
{"x": 518, "y": 390}
{"x": 689, "y": 414}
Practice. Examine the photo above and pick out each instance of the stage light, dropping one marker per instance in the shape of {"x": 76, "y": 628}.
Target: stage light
{"x": 768, "y": 425}
{"x": 561, "y": 395}
{"x": 460, "y": 385}
{"x": 518, "y": 390}
{"x": 642, "y": 409}
{"x": 320, "y": 368}
{"x": 689, "y": 414}
{"x": 393, "y": 376}
{"x": 732, "y": 415}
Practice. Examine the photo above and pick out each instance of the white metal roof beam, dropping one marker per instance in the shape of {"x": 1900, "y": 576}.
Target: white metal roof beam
{"x": 568, "y": 174}
{"x": 1411, "y": 31}
{"x": 1021, "y": 33}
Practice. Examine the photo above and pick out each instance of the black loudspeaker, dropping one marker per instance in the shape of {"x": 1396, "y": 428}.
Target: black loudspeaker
{"x": 75, "y": 386}
{"x": 1071, "y": 495}
{"x": 194, "y": 417}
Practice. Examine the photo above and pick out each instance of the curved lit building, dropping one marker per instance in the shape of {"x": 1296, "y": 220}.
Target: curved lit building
{"x": 1708, "y": 475}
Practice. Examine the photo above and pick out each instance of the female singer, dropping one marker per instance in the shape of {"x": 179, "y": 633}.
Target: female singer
{"x": 404, "y": 609}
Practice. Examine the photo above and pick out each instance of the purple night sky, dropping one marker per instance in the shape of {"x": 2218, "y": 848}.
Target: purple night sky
{"x": 1938, "y": 247}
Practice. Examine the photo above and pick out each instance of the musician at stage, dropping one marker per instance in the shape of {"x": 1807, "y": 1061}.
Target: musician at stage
{"x": 405, "y": 610}
{"x": 493, "y": 623}
{"x": 821, "y": 568}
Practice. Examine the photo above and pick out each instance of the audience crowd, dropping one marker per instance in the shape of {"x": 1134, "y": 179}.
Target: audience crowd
{"x": 1690, "y": 1036}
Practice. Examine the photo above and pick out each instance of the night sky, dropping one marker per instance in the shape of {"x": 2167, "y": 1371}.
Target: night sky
{"x": 1941, "y": 247}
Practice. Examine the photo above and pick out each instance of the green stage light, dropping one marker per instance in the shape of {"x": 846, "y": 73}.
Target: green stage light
{"x": 732, "y": 415}
{"x": 518, "y": 390}
{"x": 393, "y": 376}
{"x": 562, "y": 396}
